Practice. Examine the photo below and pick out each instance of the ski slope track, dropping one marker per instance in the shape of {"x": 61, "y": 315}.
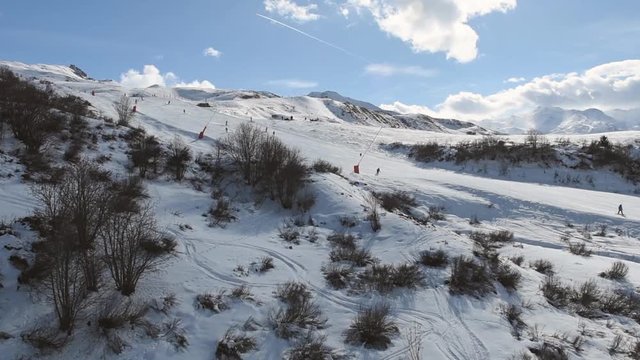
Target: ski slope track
{"x": 540, "y": 213}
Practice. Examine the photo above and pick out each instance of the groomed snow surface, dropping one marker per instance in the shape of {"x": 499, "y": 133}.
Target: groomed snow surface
{"x": 526, "y": 202}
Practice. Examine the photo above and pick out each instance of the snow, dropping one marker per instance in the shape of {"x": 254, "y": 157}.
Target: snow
{"x": 451, "y": 327}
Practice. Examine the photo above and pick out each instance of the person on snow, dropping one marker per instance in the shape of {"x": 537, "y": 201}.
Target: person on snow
{"x": 620, "y": 212}
{"x": 378, "y": 172}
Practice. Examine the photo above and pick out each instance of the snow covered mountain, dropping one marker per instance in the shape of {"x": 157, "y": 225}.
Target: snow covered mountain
{"x": 344, "y": 99}
{"x": 504, "y": 228}
{"x": 555, "y": 120}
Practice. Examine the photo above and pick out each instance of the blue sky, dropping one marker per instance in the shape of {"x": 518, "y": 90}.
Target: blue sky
{"x": 448, "y": 57}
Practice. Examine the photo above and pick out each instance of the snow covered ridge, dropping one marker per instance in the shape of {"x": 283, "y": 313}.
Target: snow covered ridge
{"x": 564, "y": 162}
{"x": 416, "y": 262}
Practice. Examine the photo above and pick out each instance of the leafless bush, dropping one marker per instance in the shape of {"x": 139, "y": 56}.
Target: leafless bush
{"x": 175, "y": 334}
{"x": 312, "y": 347}
{"x": 265, "y": 264}
{"x": 338, "y": 276}
{"x": 433, "y": 258}
{"x": 233, "y": 344}
{"x": 289, "y": 234}
{"x": 372, "y": 328}
{"x": 348, "y": 221}
{"x": 323, "y": 166}
{"x": 374, "y": 215}
{"x": 580, "y": 249}
{"x": 618, "y": 271}
{"x": 508, "y": 277}
{"x": 385, "y": 278}
{"x": 178, "y": 158}
{"x": 145, "y": 154}
{"x": 242, "y": 292}
{"x": 168, "y": 302}
{"x": 414, "y": 342}
{"x": 470, "y": 278}
{"x": 542, "y": 266}
{"x": 221, "y": 213}
{"x": 214, "y": 302}
{"x": 115, "y": 312}
{"x": 305, "y": 200}
{"x": 436, "y": 213}
{"x": 124, "y": 109}
{"x": 513, "y": 314}
{"x": 123, "y": 244}
{"x": 400, "y": 200}
{"x": 342, "y": 240}
{"x": 547, "y": 351}
{"x": 518, "y": 260}
{"x": 357, "y": 256}
{"x": 556, "y": 293}
{"x": 616, "y": 344}
{"x": 44, "y": 338}
{"x": 300, "y": 311}
{"x": 587, "y": 297}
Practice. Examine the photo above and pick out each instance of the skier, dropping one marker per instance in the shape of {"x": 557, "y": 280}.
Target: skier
{"x": 620, "y": 212}
{"x": 226, "y": 122}
{"x": 378, "y": 172}
{"x": 184, "y": 111}
{"x": 93, "y": 93}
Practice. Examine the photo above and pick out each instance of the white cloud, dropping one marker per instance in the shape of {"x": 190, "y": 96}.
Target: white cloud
{"x": 391, "y": 70}
{"x": 290, "y": 9}
{"x": 293, "y": 83}
{"x": 204, "y": 84}
{"x": 211, "y": 52}
{"x": 151, "y": 75}
{"x": 614, "y": 85}
{"x": 515, "y": 80}
{"x": 433, "y": 25}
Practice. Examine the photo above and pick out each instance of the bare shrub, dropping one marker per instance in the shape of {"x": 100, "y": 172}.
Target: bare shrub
{"x": 547, "y": 351}
{"x": 145, "y": 154}
{"x": 580, "y": 249}
{"x": 123, "y": 243}
{"x": 400, "y": 200}
{"x": 124, "y": 109}
{"x": 348, "y": 221}
{"x": 372, "y": 327}
{"x": 414, "y": 342}
{"x": 323, "y": 166}
{"x": 44, "y": 338}
{"x": 289, "y": 234}
{"x": 433, "y": 258}
{"x": 233, "y": 344}
{"x": 178, "y": 158}
{"x": 222, "y": 213}
{"x": 428, "y": 152}
{"x": 342, "y": 240}
{"x": 312, "y": 347}
{"x": 300, "y": 311}
{"x": 305, "y": 200}
{"x": 115, "y": 312}
{"x": 436, "y": 213}
{"x": 513, "y": 314}
{"x": 337, "y": 276}
{"x": 518, "y": 260}
{"x": 214, "y": 302}
{"x": 265, "y": 264}
{"x": 469, "y": 278}
{"x": 508, "y": 277}
{"x": 384, "y": 278}
{"x": 542, "y": 266}
{"x": 556, "y": 293}
{"x": 586, "y": 296}
{"x": 618, "y": 271}
{"x": 243, "y": 293}
{"x": 374, "y": 215}
{"x": 175, "y": 334}
{"x": 357, "y": 256}
{"x": 168, "y": 302}
{"x": 616, "y": 344}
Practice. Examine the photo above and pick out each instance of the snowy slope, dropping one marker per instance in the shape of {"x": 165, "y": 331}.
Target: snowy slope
{"x": 450, "y": 327}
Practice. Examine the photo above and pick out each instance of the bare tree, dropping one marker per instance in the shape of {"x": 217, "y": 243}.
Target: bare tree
{"x": 243, "y": 146}
{"x": 178, "y": 158}
{"x": 124, "y": 239}
{"x": 66, "y": 280}
{"x": 533, "y": 137}
{"x": 124, "y": 110}
{"x": 374, "y": 215}
{"x": 146, "y": 153}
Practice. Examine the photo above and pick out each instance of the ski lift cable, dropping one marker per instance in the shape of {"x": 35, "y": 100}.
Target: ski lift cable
{"x": 369, "y": 147}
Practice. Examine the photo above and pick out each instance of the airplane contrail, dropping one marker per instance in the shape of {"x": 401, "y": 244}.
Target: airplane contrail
{"x": 315, "y": 38}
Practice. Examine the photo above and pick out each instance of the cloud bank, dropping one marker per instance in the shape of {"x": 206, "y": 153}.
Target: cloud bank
{"x": 609, "y": 86}
{"x": 151, "y": 75}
